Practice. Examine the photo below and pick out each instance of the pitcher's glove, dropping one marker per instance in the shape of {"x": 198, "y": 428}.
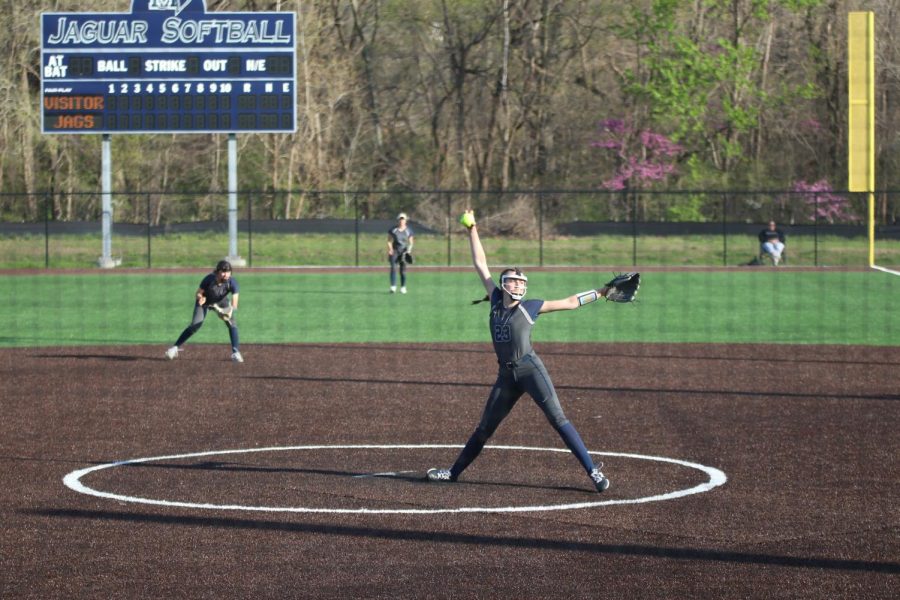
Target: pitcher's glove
{"x": 408, "y": 258}
{"x": 223, "y": 313}
{"x": 623, "y": 288}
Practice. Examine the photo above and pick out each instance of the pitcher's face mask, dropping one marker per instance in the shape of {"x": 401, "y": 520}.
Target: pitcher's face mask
{"x": 515, "y": 283}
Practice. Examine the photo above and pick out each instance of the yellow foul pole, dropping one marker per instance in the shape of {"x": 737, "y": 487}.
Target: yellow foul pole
{"x": 861, "y": 128}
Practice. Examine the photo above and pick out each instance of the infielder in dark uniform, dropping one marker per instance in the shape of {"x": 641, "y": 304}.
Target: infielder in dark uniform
{"x": 399, "y": 242}
{"x": 521, "y": 370}
{"x": 213, "y": 294}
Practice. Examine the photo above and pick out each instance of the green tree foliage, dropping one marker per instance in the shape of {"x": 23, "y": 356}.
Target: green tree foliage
{"x": 700, "y": 76}
{"x": 486, "y": 95}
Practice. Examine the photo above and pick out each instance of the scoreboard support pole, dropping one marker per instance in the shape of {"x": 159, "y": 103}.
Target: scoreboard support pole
{"x": 106, "y": 260}
{"x": 233, "y": 257}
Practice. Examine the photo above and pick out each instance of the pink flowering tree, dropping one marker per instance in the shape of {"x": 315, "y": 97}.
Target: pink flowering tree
{"x": 641, "y": 157}
{"x": 823, "y": 203}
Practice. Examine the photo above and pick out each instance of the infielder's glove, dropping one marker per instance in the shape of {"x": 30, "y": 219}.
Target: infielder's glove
{"x": 623, "y": 288}
{"x": 223, "y": 313}
{"x": 408, "y": 258}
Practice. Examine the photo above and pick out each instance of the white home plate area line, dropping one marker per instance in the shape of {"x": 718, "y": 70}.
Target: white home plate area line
{"x": 73, "y": 481}
{"x": 385, "y": 474}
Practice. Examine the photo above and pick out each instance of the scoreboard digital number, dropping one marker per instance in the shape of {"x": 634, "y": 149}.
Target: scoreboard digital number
{"x": 168, "y": 67}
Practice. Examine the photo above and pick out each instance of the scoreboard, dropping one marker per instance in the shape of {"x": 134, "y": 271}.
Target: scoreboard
{"x": 168, "y": 67}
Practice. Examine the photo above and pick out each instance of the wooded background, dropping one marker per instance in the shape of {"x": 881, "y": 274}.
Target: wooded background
{"x": 499, "y": 95}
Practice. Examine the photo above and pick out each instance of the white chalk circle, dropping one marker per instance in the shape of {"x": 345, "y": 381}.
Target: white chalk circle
{"x": 73, "y": 481}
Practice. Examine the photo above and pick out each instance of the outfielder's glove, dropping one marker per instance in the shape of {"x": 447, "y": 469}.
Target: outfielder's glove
{"x": 223, "y": 313}
{"x": 408, "y": 258}
{"x": 623, "y": 288}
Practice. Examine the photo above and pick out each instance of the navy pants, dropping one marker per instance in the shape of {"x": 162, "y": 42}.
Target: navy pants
{"x": 528, "y": 375}
{"x": 197, "y": 321}
{"x": 396, "y": 260}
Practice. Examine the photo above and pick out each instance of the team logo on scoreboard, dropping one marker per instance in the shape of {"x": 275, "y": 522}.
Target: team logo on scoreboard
{"x": 176, "y": 5}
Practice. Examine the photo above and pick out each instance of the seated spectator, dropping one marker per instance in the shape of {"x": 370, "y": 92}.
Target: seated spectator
{"x": 771, "y": 243}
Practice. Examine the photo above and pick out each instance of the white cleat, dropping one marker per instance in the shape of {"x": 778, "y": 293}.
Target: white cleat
{"x": 236, "y": 357}
{"x": 600, "y": 482}
{"x": 403, "y": 290}
{"x": 172, "y": 353}
{"x": 393, "y": 289}
{"x": 439, "y": 475}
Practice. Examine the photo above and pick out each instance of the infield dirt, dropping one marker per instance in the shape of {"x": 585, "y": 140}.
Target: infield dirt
{"x": 807, "y": 436}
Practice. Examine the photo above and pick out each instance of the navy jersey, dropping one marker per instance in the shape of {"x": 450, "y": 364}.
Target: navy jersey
{"x": 511, "y": 327}
{"x": 216, "y": 292}
{"x": 400, "y": 238}
{"x": 767, "y": 235}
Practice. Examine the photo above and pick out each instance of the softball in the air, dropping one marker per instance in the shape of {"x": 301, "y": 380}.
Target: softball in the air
{"x": 467, "y": 219}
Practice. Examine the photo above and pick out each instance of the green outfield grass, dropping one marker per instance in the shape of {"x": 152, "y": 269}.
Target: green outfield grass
{"x": 738, "y": 306}
{"x": 278, "y": 250}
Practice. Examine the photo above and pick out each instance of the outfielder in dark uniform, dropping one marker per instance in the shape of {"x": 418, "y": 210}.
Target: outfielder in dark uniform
{"x": 399, "y": 243}
{"x": 521, "y": 370}
{"x": 213, "y": 295}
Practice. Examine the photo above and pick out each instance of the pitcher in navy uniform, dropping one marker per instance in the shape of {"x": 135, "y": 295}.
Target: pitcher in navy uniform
{"x": 521, "y": 370}
{"x": 213, "y": 291}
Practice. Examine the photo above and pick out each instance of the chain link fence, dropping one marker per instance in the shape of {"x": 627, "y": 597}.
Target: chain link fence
{"x": 526, "y": 228}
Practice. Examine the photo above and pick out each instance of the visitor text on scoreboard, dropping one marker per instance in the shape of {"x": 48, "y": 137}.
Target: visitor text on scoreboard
{"x": 168, "y": 66}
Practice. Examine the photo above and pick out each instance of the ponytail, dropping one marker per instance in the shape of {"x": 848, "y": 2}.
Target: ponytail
{"x": 485, "y": 299}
